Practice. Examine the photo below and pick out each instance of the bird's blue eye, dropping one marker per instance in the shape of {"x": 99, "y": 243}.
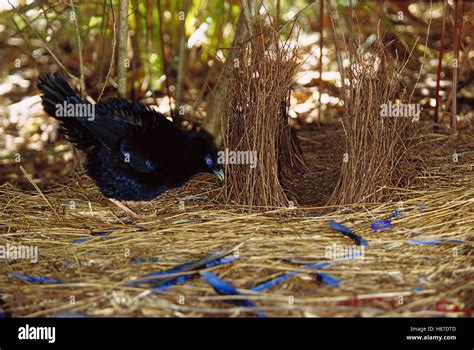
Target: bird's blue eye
{"x": 208, "y": 160}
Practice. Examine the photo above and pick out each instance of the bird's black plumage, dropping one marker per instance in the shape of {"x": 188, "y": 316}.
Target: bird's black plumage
{"x": 132, "y": 151}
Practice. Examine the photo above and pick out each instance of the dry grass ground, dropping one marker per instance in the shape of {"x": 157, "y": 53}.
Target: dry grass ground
{"x": 394, "y": 278}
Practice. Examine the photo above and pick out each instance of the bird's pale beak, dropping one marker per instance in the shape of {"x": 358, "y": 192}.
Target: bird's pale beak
{"x": 219, "y": 173}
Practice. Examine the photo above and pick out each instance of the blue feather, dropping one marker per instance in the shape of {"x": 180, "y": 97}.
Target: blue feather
{"x": 327, "y": 280}
{"x": 81, "y": 240}
{"x": 344, "y": 230}
{"x": 273, "y": 282}
{"x": 317, "y": 265}
{"x": 225, "y": 288}
{"x": 433, "y": 241}
{"x": 157, "y": 277}
{"x": 69, "y": 315}
{"x": 381, "y": 225}
{"x": 35, "y": 279}
{"x": 142, "y": 260}
{"x": 177, "y": 280}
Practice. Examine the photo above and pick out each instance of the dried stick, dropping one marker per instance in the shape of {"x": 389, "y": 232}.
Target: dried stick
{"x": 182, "y": 59}
{"x": 82, "y": 85}
{"x": 114, "y": 43}
{"x": 122, "y": 47}
{"x": 163, "y": 56}
{"x": 321, "y": 27}
{"x": 32, "y": 182}
{"x": 440, "y": 63}
{"x": 457, "y": 36}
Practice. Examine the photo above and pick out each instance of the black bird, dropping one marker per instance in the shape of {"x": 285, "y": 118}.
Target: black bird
{"x": 132, "y": 151}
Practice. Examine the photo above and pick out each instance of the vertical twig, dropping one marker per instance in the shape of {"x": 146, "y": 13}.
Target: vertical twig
{"x": 456, "y": 66}
{"x": 278, "y": 14}
{"x": 137, "y": 41}
{"x": 163, "y": 57}
{"x": 82, "y": 85}
{"x": 344, "y": 88}
{"x": 122, "y": 47}
{"x": 105, "y": 17}
{"x": 440, "y": 63}
{"x": 351, "y": 28}
{"x": 182, "y": 60}
{"x": 424, "y": 53}
{"x": 149, "y": 44}
{"x": 321, "y": 27}
{"x": 114, "y": 44}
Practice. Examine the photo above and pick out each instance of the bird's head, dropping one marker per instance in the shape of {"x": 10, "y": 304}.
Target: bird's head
{"x": 213, "y": 166}
{"x": 205, "y": 152}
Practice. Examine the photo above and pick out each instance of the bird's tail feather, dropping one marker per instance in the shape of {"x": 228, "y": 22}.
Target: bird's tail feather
{"x": 56, "y": 91}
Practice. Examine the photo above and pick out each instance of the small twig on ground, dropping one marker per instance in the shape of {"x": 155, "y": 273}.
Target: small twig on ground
{"x": 126, "y": 209}
{"x": 32, "y": 182}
